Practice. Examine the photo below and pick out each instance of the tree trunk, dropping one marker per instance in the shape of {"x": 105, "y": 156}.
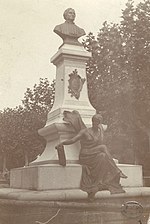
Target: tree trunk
{"x": 26, "y": 158}
{"x": 4, "y": 162}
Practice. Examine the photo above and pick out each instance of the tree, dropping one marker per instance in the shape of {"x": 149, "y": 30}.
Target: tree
{"x": 20, "y": 142}
{"x": 136, "y": 29}
{"x": 41, "y": 98}
{"x": 37, "y": 103}
{"x": 19, "y": 135}
{"x": 118, "y": 75}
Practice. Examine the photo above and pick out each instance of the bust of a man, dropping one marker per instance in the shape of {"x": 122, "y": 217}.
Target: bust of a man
{"x": 68, "y": 31}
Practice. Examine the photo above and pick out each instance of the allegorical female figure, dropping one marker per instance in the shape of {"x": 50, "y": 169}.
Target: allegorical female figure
{"x": 99, "y": 171}
{"x": 68, "y": 31}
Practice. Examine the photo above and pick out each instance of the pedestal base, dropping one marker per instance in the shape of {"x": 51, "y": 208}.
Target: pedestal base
{"x": 53, "y": 176}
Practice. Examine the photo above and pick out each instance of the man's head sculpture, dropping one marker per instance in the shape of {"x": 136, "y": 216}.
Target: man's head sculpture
{"x": 69, "y": 14}
{"x": 68, "y": 30}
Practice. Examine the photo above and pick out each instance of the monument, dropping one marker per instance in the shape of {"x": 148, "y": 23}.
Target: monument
{"x": 58, "y": 187}
{"x": 70, "y": 94}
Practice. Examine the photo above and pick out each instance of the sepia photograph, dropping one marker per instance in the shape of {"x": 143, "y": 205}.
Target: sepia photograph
{"x": 75, "y": 112}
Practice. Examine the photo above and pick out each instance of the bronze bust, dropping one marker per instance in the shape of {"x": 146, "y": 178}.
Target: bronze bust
{"x": 68, "y": 31}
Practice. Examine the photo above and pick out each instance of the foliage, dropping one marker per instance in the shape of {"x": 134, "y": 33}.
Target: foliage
{"x": 19, "y": 126}
{"x": 118, "y": 76}
{"x": 41, "y": 98}
{"x": 18, "y": 131}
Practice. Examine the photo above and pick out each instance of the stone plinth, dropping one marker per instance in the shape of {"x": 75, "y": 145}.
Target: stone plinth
{"x": 134, "y": 174}
{"x": 50, "y": 177}
{"x": 54, "y": 134}
{"x": 68, "y": 59}
{"x": 45, "y": 177}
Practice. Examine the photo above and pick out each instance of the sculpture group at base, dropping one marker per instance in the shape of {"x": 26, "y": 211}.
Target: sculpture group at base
{"x": 99, "y": 171}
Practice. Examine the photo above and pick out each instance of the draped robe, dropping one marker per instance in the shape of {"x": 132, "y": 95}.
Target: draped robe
{"x": 99, "y": 171}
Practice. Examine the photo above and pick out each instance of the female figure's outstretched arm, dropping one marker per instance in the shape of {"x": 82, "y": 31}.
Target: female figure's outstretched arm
{"x": 72, "y": 140}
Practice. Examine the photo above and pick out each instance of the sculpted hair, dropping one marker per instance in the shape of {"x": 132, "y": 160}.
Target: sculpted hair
{"x": 97, "y": 117}
{"x": 66, "y": 12}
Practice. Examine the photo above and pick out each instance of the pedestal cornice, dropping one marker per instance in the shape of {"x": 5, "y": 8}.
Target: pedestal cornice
{"x": 70, "y": 52}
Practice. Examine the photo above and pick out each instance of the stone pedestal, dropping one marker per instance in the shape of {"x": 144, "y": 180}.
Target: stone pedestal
{"x": 51, "y": 177}
{"x": 70, "y": 94}
{"x": 55, "y": 133}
